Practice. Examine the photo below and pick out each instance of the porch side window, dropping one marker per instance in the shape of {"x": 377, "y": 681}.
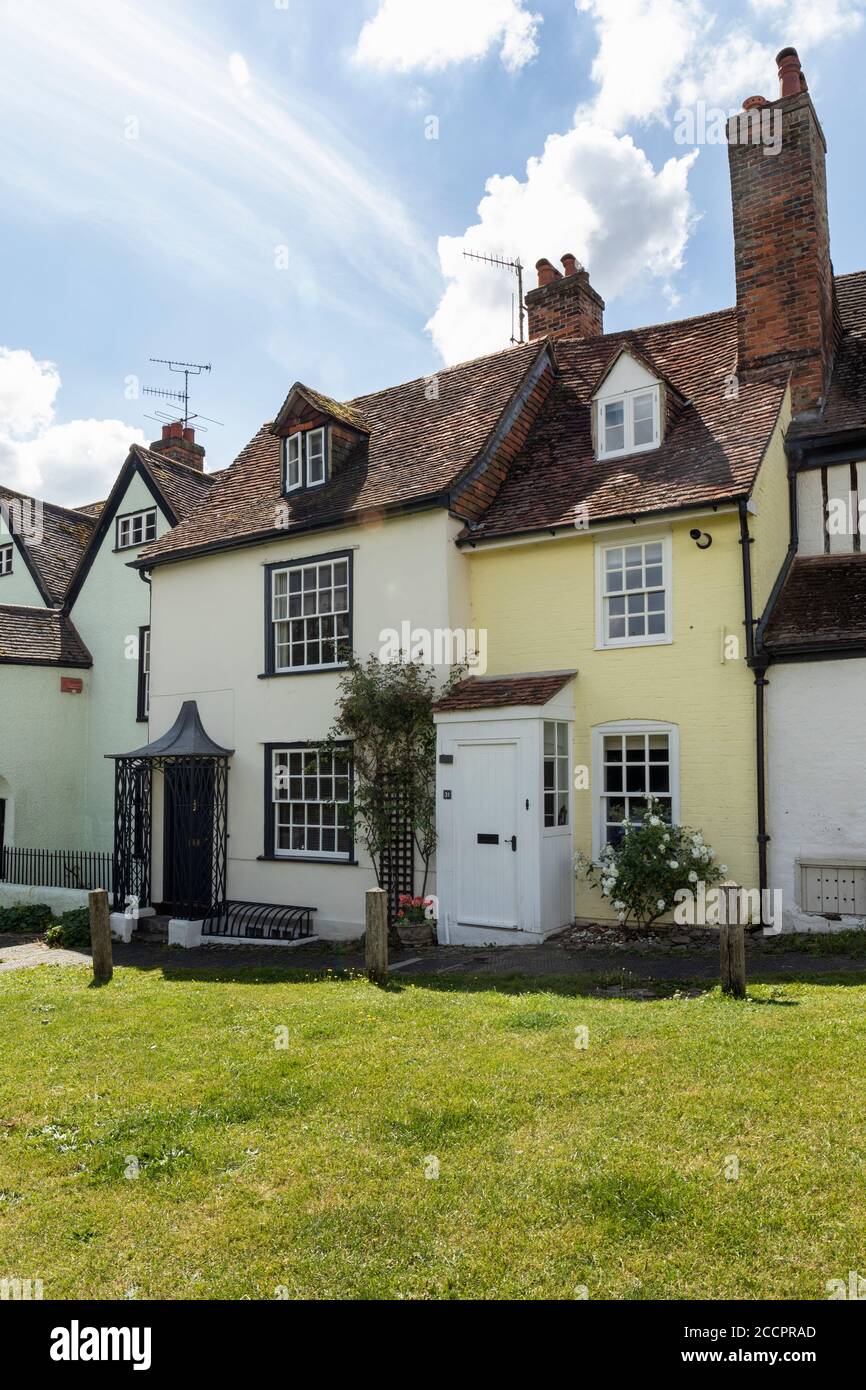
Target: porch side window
{"x": 310, "y": 615}
{"x": 143, "y": 674}
{"x": 634, "y": 594}
{"x": 136, "y": 528}
{"x": 311, "y": 793}
{"x": 555, "y": 773}
{"x": 636, "y": 762}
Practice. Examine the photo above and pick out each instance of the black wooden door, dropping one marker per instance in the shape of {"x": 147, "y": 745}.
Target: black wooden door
{"x": 188, "y": 853}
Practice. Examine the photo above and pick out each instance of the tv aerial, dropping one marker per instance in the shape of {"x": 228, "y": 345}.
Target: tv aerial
{"x": 179, "y": 398}
{"x": 517, "y": 267}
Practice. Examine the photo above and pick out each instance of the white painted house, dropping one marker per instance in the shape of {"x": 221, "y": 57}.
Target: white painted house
{"x": 814, "y": 638}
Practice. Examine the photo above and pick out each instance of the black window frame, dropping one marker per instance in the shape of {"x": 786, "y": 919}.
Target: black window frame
{"x": 129, "y": 516}
{"x": 304, "y": 484}
{"x": 142, "y": 708}
{"x": 270, "y": 638}
{"x": 270, "y": 820}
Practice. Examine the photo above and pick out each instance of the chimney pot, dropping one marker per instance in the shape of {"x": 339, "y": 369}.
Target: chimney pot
{"x": 178, "y": 443}
{"x": 790, "y": 72}
{"x": 569, "y": 263}
{"x": 547, "y": 273}
{"x": 751, "y": 102}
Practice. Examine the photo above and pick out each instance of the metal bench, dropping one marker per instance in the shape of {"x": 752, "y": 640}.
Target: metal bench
{"x": 259, "y": 921}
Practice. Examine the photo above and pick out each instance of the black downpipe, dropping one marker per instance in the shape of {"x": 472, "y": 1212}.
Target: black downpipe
{"x": 759, "y": 666}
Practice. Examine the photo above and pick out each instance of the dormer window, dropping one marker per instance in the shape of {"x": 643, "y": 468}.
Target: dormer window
{"x": 306, "y": 459}
{"x": 628, "y": 423}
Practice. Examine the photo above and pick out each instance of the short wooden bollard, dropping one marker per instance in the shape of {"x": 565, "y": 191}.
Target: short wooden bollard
{"x": 100, "y": 936}
{"x": 376, "y": 935}
{"x": 732, "y": 945}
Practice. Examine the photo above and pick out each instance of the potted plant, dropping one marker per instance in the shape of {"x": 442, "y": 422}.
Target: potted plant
{"x": 416, "y": 925}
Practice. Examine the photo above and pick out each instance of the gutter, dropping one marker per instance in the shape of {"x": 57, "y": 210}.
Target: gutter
{"x": 710, "y": 506}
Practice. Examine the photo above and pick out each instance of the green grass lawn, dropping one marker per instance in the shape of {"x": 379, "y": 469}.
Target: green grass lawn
{"x": 302, "y": 1171}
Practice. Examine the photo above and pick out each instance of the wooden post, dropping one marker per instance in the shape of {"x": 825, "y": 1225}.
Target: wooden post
{"x": 732, "y": 945}
{"x": 376, "y": 936}
{"x": 100, "y": 936}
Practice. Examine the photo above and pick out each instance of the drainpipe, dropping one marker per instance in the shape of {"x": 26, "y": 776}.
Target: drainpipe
{"x": 758, "y": 663}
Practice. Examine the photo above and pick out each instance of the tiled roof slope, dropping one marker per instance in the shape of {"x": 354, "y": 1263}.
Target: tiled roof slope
{"x": 711, "y": 452}
{"x": 496, "y": 692}
{"x": 40, "y": 636}
{"x": 91, "y": 509}
{"x": 183, "y": 487}
{"x": 417, "y": 449}
{"x": 65, "y": 536}
{"x": 822, "y": 603}
{"x": 846, "y": 398}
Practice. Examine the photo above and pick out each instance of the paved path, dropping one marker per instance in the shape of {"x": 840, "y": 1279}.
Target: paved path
{"x": 18, "y": 952}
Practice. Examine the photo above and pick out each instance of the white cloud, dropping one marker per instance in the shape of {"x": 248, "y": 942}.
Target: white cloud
{"x": 70, "y": 463}
{"x": 641, "y": 48}
{"x": 592, "y": 193}
{"x": 804, "y": 22}
{"x": 405, "y": 35}
{"x": 146, "y": 128}
{"x": 27, "y": 392}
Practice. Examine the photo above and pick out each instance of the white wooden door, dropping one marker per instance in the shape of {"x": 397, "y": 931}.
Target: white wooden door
{"x": 487, "y": 846}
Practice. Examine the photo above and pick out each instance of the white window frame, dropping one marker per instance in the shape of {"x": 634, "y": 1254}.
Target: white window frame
{"x": 624, "y": 727}
{"x": 302, "y": 567}
{"x": 281, "y": 789}
{"x": 653, "y": 639}
{"x": 320, "y": 435}
{"x": 627, "y": 400}
{"x": 559, "y": 771}
{"x": 144, "y": 672}
{"x": 294, "y": 445}
{"x": 6, "y": 558}
{"x": 300, "y": 444}
{"x": 129, "y": 524}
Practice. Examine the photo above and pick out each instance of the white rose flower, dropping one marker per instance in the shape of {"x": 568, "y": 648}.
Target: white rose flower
{"x": 661, "y": 904}
{"x": 655, "y": 820}
{"x": 693, "y": 878}
{"x": 724, "y": 868}
{"x": 673, "y": 864}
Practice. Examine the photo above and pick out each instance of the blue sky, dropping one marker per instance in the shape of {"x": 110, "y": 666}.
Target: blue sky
{"x": 254, "y": 184}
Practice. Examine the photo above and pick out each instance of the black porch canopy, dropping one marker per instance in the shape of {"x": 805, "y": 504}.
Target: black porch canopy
{"x": 195, "y": 824}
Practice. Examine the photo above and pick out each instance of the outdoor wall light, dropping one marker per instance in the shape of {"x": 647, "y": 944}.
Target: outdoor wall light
{"x": 702, "y": 539}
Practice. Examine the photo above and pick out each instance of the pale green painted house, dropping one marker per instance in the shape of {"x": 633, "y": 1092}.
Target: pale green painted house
{"x": 74, "y": 645}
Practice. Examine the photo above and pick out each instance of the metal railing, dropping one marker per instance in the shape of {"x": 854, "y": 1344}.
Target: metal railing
{"x": 259, "y": 921}
{"x": 57, "y": 868}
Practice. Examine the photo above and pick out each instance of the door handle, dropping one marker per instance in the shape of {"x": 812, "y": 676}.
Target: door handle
{"x": 514, "y": 843}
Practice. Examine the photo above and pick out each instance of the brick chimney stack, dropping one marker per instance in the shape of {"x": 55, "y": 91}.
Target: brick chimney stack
{"x": 564, "y": 306}
{"x": 178, "y": 443}
{"x": 788, "y": 319}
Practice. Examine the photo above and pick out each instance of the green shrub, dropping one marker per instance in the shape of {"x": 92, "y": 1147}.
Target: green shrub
{"x": 73, "y": 929}
{"x": 25, "y": 917}
{"x": 641, "y": 875}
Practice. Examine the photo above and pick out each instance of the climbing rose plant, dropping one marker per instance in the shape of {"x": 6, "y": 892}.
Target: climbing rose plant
{"x": 652, "y": 861}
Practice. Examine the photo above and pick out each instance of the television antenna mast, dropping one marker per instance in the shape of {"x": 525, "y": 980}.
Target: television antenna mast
{"x": 517, "y": 266}
{"x": 180, "y": 397}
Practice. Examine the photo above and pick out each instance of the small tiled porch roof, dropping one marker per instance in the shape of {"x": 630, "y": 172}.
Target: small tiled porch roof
{"x": 31, "y": 636}
{"x": 822, "y": 604}
{"x": 498, "y": 692}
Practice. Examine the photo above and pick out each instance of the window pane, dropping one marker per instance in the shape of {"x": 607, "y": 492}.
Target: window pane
{"x": 643, "y": 422}
{"x": 549, "y": 737}
{"x": 562, "y": 738}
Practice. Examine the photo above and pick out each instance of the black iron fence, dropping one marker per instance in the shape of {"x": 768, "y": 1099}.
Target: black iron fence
{"x": 57, "y": 868}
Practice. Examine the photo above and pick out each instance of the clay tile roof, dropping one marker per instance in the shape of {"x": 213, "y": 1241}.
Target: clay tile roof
{"x": 822, "y": 602}
{"x": 846, "y": 399}
{"x": 40, "y": 637}
{"x": 495, "y": 692}
{"x": 336, "y": 410}
{"x": 418, "y": 447}
{"x": 711, "y": 451}
{"x": 55, "y": 557}
{"x": 91, "y": 508}
{"x": 182, "y": 487}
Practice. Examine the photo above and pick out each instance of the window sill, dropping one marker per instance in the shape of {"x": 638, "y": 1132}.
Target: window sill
{"x": 304, "y": 859}
{"x": 634, "y": 642}
{"x": 303, "y": 671}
